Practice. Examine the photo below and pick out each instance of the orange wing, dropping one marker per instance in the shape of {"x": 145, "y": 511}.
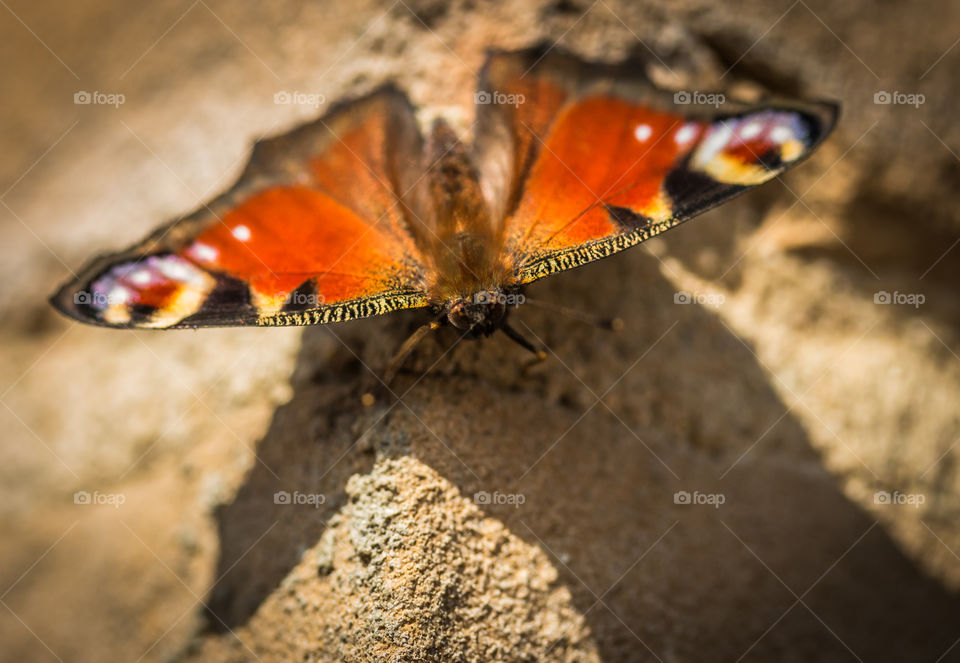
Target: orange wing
{"x": 583, "y": 160}
{"x": 317, "y": 229}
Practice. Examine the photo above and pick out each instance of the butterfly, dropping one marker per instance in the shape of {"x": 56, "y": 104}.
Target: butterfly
{"x": 358, "y": 213}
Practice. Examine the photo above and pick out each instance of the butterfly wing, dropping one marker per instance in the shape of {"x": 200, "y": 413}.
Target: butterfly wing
{"x": 317, "y": 229}
{"x": 584, "y": 160}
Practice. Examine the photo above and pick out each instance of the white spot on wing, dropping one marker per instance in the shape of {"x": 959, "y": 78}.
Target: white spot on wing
{"x": 118, "y": 295}
{"x": 685, "y": 134}
{"x": 140, "y": 276}
{"x": 642, "y": 132}
{"x": 781, "y": 134}
{"x": 717, "y": 138}
{"x": 241, "y": 232}
{"x": 177, "y": 269}
{"x": 203, "y": 252}
{"x": 751, "y": 129}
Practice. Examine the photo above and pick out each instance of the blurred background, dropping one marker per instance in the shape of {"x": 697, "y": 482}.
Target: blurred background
{"x": 813, "y": 382}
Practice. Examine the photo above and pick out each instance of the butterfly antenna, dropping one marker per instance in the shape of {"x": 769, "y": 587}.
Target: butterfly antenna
{"x": 610, "y": 324}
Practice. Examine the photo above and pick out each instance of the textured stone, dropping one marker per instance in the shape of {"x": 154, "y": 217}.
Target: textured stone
{"x": 796, "y": 398}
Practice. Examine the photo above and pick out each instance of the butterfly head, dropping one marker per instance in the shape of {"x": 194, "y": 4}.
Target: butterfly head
{"x": 480, "y": 313}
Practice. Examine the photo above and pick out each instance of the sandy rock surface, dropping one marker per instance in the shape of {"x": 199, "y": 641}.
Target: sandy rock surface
{"x": 490, "y": 513}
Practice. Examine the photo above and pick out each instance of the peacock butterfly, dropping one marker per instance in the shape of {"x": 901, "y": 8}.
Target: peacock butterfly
{"x": 357, "y": 214}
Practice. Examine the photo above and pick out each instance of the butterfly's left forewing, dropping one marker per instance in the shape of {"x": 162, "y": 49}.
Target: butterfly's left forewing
{"x": 604, "y": 160}
{"x": 316, "y": 230}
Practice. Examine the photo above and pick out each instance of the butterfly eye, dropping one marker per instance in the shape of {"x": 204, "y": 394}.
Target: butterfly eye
{"x": 457, "y": 315}
{"x": 752, "y": 148}
{"x": 149, "y": 291}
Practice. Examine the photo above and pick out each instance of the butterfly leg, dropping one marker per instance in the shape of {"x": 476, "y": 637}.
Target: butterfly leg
{"x": 519, "y": 339}
{"x": 404, "y": 350}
